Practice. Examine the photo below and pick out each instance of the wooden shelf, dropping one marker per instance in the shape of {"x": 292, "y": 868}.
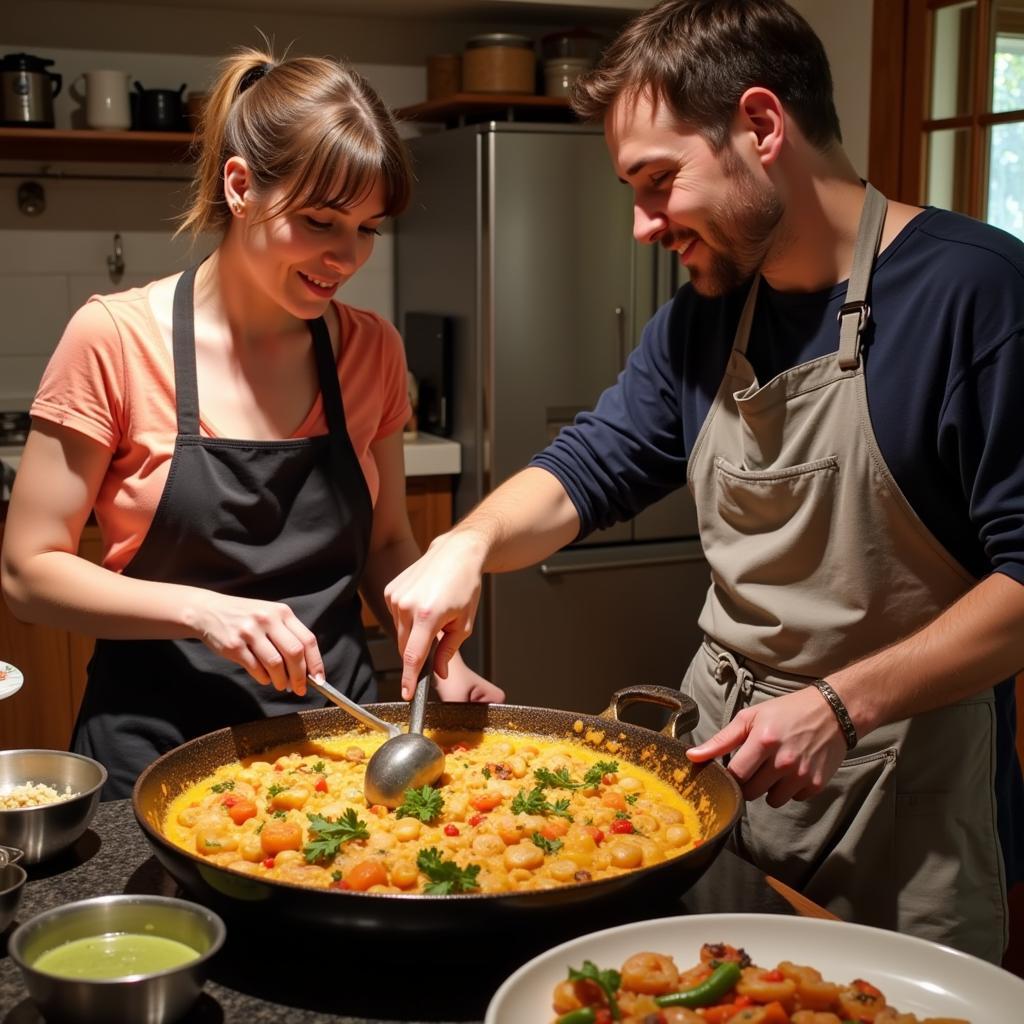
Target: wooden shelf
{"x": 466, "y": 106}
{"x": 115, "y": 147}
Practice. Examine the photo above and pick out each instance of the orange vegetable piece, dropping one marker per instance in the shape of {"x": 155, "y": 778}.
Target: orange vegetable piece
{"x": 241, "y": 809}
{"x": 485, "y": 801}
{"x": 280, "y": 835}
{"x": 365, "y": 874}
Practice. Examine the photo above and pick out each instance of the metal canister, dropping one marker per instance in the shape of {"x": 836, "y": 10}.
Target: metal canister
{"x": 26, "y": 91}
{"x": 499, "y": 62}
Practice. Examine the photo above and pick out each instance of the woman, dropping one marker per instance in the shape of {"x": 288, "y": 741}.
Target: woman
{"x": 238, "y": 433}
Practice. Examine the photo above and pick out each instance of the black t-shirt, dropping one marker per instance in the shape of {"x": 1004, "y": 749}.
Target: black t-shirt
{"x": 944, "y": 372}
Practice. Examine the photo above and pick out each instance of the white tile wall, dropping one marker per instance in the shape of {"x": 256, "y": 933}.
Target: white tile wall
{"x": 51, "y": 263}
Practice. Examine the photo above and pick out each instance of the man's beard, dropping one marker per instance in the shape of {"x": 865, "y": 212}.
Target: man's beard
{"x": 741, "y": 227}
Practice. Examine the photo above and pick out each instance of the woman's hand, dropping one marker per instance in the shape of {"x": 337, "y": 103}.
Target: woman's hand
{"x": 463, "y": 684}
{"x": 264, "y": 637}
{"x": 436, "y": 596}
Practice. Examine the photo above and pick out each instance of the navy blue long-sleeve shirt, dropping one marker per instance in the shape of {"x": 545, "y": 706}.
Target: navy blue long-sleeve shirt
{"x": 944, "y": 373}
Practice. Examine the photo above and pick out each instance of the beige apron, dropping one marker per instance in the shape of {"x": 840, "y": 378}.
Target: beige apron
{"x": 817, "y": 560}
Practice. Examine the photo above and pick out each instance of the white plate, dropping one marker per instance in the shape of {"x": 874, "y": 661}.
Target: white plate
{"x": 915, "y": 976}
{"x": 12, "y": 681}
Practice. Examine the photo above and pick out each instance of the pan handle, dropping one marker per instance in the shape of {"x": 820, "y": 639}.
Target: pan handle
{"x": 685, "y": 713}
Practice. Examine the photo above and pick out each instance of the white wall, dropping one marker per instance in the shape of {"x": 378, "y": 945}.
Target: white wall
{"x": 844, "y": 27}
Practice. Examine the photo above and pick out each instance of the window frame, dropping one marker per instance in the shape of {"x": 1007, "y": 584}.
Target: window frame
{"x": 899, "y": 128}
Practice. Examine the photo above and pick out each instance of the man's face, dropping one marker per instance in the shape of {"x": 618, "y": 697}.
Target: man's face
{"x": 710, "y": 209}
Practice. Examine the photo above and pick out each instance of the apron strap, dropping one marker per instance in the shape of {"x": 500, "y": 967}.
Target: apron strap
{"x": 854, "y": 313}
{"x": 183, "y": 343}
{"x": 327, "y": 372}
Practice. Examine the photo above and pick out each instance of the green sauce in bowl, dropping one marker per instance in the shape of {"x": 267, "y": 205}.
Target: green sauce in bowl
{"x": 121, "y": 955}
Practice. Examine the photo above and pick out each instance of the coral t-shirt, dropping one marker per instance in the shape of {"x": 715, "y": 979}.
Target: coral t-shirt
{"x": 111, "y": 378}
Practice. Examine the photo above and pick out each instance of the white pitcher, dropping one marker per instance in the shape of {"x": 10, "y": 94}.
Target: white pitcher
{"x": 106, "y": 100}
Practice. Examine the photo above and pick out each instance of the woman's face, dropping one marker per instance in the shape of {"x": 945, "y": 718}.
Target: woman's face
{"x": 303, "y": 256}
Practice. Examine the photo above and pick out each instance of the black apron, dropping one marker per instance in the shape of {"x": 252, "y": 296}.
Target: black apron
{"x": 281, "y": 521}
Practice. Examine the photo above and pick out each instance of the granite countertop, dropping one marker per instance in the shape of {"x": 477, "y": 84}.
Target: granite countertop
{"x": 267, "y": 974}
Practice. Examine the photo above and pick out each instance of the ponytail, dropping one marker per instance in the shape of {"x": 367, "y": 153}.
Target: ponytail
{"x": 310, "y": 124}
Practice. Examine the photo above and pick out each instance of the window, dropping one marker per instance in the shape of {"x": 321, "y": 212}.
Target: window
{"x": 954, "y": 136}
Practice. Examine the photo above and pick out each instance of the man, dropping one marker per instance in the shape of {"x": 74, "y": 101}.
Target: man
{"x": 837, "y": 386}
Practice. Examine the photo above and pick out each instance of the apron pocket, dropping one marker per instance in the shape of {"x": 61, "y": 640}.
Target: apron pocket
{"x": 785, "y": 502}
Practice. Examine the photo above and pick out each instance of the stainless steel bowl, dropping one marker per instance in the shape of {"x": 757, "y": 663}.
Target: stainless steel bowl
{"x": 12, "y": 882}
{"x": 143, "y": 999}
{"x": 46, "y": 830}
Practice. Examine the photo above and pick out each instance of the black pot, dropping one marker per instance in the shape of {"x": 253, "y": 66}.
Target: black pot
{"x": 158, "y": 110}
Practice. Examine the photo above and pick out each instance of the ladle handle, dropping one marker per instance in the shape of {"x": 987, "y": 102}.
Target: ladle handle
{"x": 422, "y": 694}
{"x": 356, "y": 710}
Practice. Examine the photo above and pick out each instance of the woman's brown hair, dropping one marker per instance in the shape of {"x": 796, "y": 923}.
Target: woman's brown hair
{"x": 311, "y": 124}
{"x": 700, "y": 56}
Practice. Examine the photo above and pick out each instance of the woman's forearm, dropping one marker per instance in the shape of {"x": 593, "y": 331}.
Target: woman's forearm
{"x": 64, "y": 590}
{"x": 382, "y": 566}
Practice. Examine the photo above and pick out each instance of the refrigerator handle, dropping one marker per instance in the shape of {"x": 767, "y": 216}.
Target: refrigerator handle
{"x": 548, "y": 569}
{"x": 620, "y": 323}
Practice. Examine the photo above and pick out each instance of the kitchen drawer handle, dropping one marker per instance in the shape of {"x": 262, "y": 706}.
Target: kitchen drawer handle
{"x": 547, "y": 569}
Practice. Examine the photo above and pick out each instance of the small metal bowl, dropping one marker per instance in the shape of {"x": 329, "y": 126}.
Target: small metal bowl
{"x": 155, "y": 998}
{"x": 10, "y": 855}
{"x": 46, "y": 830}
{"x": 12, "y": 882}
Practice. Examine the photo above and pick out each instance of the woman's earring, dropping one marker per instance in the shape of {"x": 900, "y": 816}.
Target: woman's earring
{"x": 236, "y": 206}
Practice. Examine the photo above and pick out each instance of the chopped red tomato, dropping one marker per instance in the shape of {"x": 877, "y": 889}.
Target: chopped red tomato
{"x": 595, "y": 833}
{"x": 622, "y": 827}
{"x": 866, "y": 988}
{"x": 477, "y": 818}
{"x": 451, "y": 830}
{"x": 774, "y": 976}
{"x": 268, "y": 862}
{"x": 321, "y": 785}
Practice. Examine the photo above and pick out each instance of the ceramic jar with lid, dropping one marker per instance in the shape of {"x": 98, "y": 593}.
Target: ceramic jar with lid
{"x": 561, "y": 72}
{"x": 499, "y": 62}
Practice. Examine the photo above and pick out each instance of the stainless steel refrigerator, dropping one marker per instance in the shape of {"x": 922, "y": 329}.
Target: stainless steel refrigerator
{"x": 521, "y": 235}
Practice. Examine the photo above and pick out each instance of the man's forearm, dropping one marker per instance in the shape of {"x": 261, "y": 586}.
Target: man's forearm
{"x": 527, "y": 518}
{"x": 976, "y": 642}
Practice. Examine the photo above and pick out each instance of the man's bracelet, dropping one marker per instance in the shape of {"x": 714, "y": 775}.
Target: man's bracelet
{"x": 842, "y": 715}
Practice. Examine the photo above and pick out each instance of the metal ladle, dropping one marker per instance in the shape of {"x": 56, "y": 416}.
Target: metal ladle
{"x": 406, "y": 760}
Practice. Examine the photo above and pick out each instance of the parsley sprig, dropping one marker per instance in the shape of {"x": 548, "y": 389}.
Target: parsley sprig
{"x": 547, "y": 845}
{"x": 561, "y": 779}
{"x": 445, "y": 875}
{"x": 425, "y": 803}
{"x": 536, "y": 802}
{"x": 223, "y": 787}
{"x": 330, "y": 836}
{"x": 608, "y": 981}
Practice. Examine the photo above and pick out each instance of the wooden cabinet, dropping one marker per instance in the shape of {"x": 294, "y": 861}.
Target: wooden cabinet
{"x": 53, "y": 661}
{"x": 42, "y": 713}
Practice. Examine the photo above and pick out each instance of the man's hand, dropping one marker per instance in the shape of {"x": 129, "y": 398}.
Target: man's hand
{"x": 437, "y": 595}
{"x": 788, "y": 747}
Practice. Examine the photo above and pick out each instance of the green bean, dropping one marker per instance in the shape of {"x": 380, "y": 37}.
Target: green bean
{"x": 584, "y": 1015}
{"x": 709, "y": 991}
